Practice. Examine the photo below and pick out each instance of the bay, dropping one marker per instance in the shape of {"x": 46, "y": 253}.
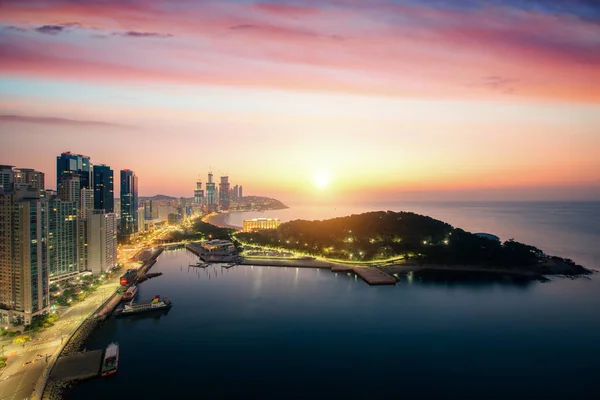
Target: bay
{"x": 259, "y": 332}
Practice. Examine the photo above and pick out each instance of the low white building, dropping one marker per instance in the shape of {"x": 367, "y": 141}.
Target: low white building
{"x": 218, "y": 246}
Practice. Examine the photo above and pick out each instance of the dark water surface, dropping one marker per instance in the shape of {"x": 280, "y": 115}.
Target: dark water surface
{"x": 277, "y": 333}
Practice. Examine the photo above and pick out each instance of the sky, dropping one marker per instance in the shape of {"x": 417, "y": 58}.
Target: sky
{"x": 324, "y": 101}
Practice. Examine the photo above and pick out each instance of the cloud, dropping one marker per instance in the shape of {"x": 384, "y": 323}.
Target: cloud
{"x": 50, "y": 29}
{"x": 496, "y": 83}
{"x": 14, "y": 28}
{"x": 135, "y": 34}
{"x": 27, "y": 119}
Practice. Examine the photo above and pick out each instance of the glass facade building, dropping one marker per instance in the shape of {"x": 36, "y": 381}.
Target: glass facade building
{"x": 104, "y": 197}
{"x": 129, "y": 202}
{"x": 68, "y": 164}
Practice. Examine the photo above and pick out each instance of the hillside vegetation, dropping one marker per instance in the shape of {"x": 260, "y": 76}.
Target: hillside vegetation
{"x": 385, "y": 234}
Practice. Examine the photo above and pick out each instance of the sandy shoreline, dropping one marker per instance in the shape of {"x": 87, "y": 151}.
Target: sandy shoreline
{"x": 219, "y": 219}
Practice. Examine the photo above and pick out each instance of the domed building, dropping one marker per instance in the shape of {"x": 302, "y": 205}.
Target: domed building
{"x": 488, "y": 236}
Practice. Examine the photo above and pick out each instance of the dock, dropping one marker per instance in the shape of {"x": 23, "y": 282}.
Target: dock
{"x": 374, "y": 276}
{"x": 78, "y": 366}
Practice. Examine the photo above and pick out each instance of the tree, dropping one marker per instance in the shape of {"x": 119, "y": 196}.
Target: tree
{"x": 21, "y": 339}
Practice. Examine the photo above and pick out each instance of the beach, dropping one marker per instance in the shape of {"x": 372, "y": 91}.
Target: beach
{"x": 219, "y": 219}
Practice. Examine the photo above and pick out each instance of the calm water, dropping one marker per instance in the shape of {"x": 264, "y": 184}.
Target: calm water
{"x": 257, "y": 332}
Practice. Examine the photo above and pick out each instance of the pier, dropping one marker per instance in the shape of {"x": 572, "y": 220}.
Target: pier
{"x": 77, "y": 366}
{"x": 374, "y": 276}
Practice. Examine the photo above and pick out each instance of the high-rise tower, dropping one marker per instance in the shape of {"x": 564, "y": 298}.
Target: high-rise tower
{"x": 199, "y": 192}
{"x": 210, "y": 190}
{"x": 224, "y": 193}
{"x": 129, "y": 202}
{"x": 24, "y": 290}
{"x": 68, "y": 164}
{"x": 104, "y": 196}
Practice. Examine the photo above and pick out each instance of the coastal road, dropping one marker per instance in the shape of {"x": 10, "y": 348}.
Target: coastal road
{"x": 18, "y": 379}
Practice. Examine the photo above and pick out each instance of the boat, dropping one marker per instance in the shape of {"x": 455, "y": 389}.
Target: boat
{"x": 130, "y": 293}
{"x": 111, "y": 359}
{"x": 149, "y": 305}
{"x": 128, "y": 277}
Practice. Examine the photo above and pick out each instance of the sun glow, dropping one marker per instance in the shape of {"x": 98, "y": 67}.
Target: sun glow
{"x": 321, "y": 180}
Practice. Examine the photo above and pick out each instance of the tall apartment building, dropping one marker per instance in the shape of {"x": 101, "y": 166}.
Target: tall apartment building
{"x": 29, "y": 177}
{"x": 141, "y": 219}
{"x": 102, "y": 246}
{"x": 86, "y": 207}
{"x": 6, "y": 177}
{"x": 63, "y": 233}
{"x": 24, "y": 290}
{"x": 69, "y": 189}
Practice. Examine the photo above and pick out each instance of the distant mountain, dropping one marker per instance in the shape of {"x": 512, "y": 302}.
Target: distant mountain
{"x": 159, "y": 197}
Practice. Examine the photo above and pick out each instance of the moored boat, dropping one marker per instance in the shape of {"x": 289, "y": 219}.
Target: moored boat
{"x": 110, "y": 362}
{"x": 130, "y": 293}
{"x": 149, "y": 305}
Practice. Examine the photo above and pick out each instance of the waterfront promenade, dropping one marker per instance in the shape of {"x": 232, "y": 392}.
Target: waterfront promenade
{"x": 19, "y": 381}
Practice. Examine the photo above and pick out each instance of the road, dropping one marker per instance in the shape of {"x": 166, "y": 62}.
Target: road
{"x": 18, "y": 379}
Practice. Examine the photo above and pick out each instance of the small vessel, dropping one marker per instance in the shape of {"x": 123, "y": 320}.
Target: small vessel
{"x": 149, "y": 305}
{"x": 111, "y": 359}
{"x": 128, "y": 277}
{"x": 130, "y": 293}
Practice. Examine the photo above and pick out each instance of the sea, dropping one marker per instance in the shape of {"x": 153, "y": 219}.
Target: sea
{"x": 290, "y": 333}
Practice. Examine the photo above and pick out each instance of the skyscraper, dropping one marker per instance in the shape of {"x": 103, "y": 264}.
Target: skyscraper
{"x": 198, "y": 193}
{"x": 104, "y": 196}
{"x": 63, "y": 232}
{"x": 68, "y": 164}
{"x": 102, "y": 253}
{"x": 224, "y": 193}
{"x": 210, "y": 190}
{"x": 240, "y": 192}
{"x": 24, "y": 291}
{"x": 86, "y": 207}
{"x": 129, "y": 202}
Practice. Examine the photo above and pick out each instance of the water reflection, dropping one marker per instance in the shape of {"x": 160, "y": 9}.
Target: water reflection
{"x": 468, "y": 278}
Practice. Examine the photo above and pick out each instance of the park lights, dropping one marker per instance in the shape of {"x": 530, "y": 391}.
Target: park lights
{"x": 446, "y": 241}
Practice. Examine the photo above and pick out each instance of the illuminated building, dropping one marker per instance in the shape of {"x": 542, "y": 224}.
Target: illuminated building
{"x": 199, "y": 193}
{"x": 217, "y": 246}
{"x": 29, "y": 177}
{"x": 102, "y": 253}
{"x": 224, "y": 193}
{"x": 257, "y": 224}
{"x": 69, "y": 189}
{"x": 210, "y": 190}
{"x": 68, "y": 164}
{"x": 104, "y": 196}
{"x": 63, "y": 232}
{"x": 24, "y": 289}
{"x": 129, "y": 202}
{"x": 6, "y": 177}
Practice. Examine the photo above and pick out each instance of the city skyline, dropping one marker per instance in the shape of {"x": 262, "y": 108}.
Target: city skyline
{"x": 311, "y": 101}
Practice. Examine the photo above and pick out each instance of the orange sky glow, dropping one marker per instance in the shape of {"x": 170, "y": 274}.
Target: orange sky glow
{"x": 388, "y": 100}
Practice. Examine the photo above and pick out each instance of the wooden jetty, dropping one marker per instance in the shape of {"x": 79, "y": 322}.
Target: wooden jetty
{"x": 374, "y": 276}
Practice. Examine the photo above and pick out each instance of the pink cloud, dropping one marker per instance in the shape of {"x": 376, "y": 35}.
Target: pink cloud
{"x": 362, "y": 47}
